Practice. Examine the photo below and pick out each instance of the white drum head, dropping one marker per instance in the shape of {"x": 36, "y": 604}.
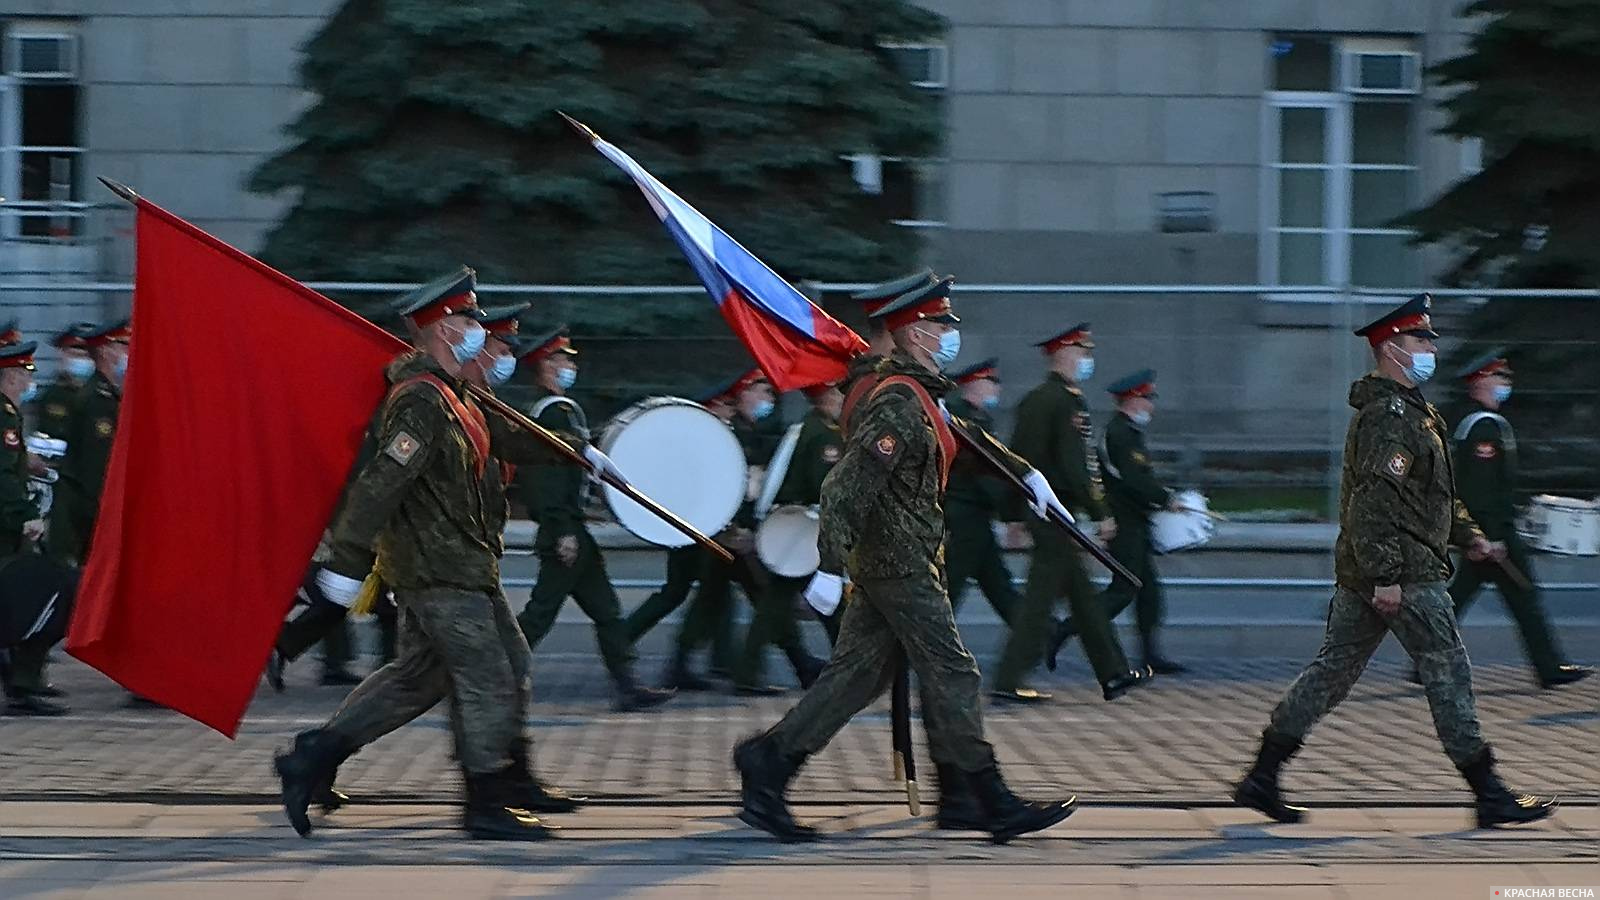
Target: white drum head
{"x": 787, "y": 541}
{"x": 682, "y": 457}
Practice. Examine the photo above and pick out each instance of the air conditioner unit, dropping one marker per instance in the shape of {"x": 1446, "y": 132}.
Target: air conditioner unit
{"x": 923, "y": 65}
{"x": 30, "y": 55}
{"x": 1382, "y": 72}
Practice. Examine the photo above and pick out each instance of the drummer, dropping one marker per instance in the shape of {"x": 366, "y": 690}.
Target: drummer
{"x": 819, "y": 447}
{"x": 1134, "y": 494}
{"x": 570, "y": 561}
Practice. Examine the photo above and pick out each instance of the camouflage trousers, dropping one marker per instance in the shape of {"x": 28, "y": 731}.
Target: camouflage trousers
{"x": 912, "y": 612}
{"x": 464, "y": 645}
{"x": 1426, "y": 627}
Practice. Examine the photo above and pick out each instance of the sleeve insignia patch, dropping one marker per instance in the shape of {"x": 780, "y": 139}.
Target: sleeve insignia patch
{"x": 12, "y": 438}
{"x": 1398, "y": 463}
{"x": 830, "y": 454}
{"x": 1138, "y": 457}
{"x": 1485, "y": 450}
{"x": 103, "y": 428}
{"x": 402, "y": 448}
{"x": 887, "y": 446}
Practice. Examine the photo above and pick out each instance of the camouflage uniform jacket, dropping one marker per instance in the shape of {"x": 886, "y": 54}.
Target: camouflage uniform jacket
{"x": 1398, "y": 511}
{"x": 16, "y": 507}
{"x": 882, "y": 514}
{"x": 1053, "y": 430}
{"x": 420, "y": 501}
{"x": 1486, "y": 471}
{"x": 816, "y": 452}
{"x": 1132, "y": 491}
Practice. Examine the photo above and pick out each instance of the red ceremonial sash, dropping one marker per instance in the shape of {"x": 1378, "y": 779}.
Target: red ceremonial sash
{"x": 930, "y": 408}
{"x": 468, "y": 415}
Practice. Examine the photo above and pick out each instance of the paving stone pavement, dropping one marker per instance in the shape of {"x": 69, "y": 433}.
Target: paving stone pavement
{"x": 1182, "y": 740}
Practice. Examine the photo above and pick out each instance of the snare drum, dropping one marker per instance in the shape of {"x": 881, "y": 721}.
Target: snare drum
{"x": 787, "y": 541}
{"x": 1173, "y": 531}
{"x": 1564, "y": 525}
{"x": 681, "y": 456}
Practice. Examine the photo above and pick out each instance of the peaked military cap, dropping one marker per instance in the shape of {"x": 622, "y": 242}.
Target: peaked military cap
{"x": 551, "y": 342}
{"x": 1410, "y": 317}
{"x": 989, "y": 368}
{"x": 879, "y": 295}
{"x": 10, "y": 333}
{"x": 502, "y": 321}
{"x": 71, "y": 336}
{"x": 1490, "y": 362}
{"x": 447, "y": 295}
{"x": 927, "y": 303}
{"x": 18, "y": 356}
{"x": 115, "y": 332}
{"x": 1140, "y": 384}
{"x": 1078, "y": 335}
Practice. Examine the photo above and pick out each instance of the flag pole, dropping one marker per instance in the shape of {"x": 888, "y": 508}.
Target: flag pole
{"x": 120, "y": 189}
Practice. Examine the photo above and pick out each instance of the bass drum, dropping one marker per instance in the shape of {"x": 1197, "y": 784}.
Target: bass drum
{"x": 681, "y": 456}
{"x": 787, "y": 541}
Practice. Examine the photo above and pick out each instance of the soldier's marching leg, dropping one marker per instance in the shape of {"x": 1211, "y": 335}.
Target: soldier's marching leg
{"x": 533, "y": 794}
{"x": 1538, "y": 640}
{"x": 336, "y": 656}
{"x": 1047, "y": 578}
{"x": 960, "y": 558}
{"x": 1151, "y": 610}
{"x": 555, "y": 584}
{"x": 994, "y": 577}
{"x": 683, "y": 569}
{"x": 598, "y": 600}
{"x": 772, "y": 622}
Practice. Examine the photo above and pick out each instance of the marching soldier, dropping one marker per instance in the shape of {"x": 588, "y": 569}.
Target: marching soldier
{"x": 27, "y": 690}
{"x": 89, "y": 435}
{"x": 1398, "y": 514}
{"x": 56, "y": 402}
{"x": 570, "y": 561}
{"x": 1133, "y": 493}
{"x": 973, "y": 501}
{"x": 883, "y": 526}
{"x": 1053, "y": 428}
{"x": 417, "y": 511}
{"x": 1486, "y": 473}
{"x": 816, "y": 451}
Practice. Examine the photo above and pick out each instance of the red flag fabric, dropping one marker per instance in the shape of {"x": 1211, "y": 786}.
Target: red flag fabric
{"x": 243, "y": 409}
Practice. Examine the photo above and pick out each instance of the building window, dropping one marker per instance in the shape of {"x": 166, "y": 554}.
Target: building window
{"x": 41, "y": 157}
{"x": 909, "y": 191}
{"x": 1341, "y": 153}
{"x": 926, "y": 64}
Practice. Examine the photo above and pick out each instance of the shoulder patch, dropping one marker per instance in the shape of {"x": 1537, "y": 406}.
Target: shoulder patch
{"x": 1485, "y": 450}
{"x": 12, "y": 438}
{"x": 103, "y": 427}
{"x": 1396, "y": 463}
{"x": 403, "y": 448}
{"x": 886, "y": 446}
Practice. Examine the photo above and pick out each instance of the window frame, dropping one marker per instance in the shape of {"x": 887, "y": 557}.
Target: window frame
{"x": 940, "y": 51}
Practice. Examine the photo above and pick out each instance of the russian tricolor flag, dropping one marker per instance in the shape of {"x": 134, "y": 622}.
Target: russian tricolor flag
{"x": 793, "y": 341}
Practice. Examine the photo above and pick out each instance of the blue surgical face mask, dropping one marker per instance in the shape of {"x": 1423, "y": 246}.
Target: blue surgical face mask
{"x": 1140, "y": 418}
{"x": 80, "y": 367}
{"x": 470, "y": 343}
{"x": 502, "y": 370}
{"x": 29, "y": 393}
{"x": 991, "y": 402}
{"x": 1084, "y": 370}
{"x": 1421, "y": 368}
{"x": 949, "y": 347}
{"x": 1502, "y": 393}
{"x": 567, "y": 377}
{"x": 764, "y": 409}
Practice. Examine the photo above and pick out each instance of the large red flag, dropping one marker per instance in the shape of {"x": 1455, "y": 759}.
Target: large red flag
{"x": 243, "y": 409}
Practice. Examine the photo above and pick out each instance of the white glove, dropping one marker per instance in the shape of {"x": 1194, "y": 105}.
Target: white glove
{"x": 337, "y": 588}
{"x": 601, "y": 462}
{"x": 944, "y": 410}
{"x": 823, "y": 592}
{"x": 1044, "y": 498}
{"x": 33, "y": 529}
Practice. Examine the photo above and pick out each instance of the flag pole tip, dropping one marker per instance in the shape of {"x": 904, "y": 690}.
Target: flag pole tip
{"x": 579, "y": 127}
{"x": 120, "y": 189}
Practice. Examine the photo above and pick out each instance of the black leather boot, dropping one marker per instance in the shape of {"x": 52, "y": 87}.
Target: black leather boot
{"x": 490, "y": 813}
{"x": 764, "y": 775}
{"x": 1259, "y": 789}
{"x": 634, "y": 697}
{"x": 1496, "y": 804}
{"x": 1007, "y": 815}
{"x": 680, "y": 677}
{"x": 1156, "y": 661}
{"x": 959, "y": 809}
{"x": 535, "y": 795}
{"x": 307, "y": 771}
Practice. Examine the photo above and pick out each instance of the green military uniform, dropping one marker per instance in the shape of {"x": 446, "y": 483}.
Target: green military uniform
{"x": 817, "y": 450}
{"x": 83, "y": 471}
{"x": 1053, "y": 431}
{"x": 1485, "y": 452}
{"x": 25, "y": 681}
{"x": 55, "y": 406}
{"x": 972, "y": 501}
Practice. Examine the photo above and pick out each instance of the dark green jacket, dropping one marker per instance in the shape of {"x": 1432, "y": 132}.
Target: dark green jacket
{"x": 1486, "y": 471}
{"x": 1132, "y": 491}
{"x": 16, "y": 507}
{"x": 816, "y": 452}
{"x": 974, "y": 489}
{"x": 54, "y": 407}
{"x": 1398, "y": 511}
{"x": 1053, "y": 431}
{"x": 759, "y": 443}
{"x": 554, "y": 492}
{"x": 89, "y": 436}
{"x": 420, "y": 502}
